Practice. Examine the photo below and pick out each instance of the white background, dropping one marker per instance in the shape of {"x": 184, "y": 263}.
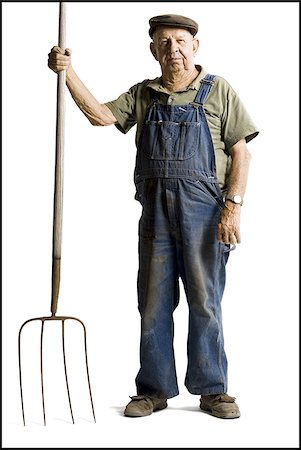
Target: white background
{"x": 254, "y": 45}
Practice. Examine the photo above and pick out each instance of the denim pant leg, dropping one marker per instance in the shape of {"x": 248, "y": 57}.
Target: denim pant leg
{"x": 202, "y": 261}
{"x": 158, "y": 296}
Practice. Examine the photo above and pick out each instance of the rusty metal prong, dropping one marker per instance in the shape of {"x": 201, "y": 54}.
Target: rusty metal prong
{"x": 65, "y": 368}
{"x": 20, "y": 373}
{"x": 86, "y": 359}
{"x": 41, "y": 367}
{"x": 88, "y": 377}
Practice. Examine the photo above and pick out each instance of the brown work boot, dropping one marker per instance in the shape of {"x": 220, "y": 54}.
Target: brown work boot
{"x": 142, "y": 405}
{"x": 220, "y": 405}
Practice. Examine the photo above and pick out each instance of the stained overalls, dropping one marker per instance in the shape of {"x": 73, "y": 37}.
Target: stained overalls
{"x": 175, "y": 177}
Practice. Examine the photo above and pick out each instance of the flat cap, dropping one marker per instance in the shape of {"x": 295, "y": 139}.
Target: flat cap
{"x": 173, "y": 20}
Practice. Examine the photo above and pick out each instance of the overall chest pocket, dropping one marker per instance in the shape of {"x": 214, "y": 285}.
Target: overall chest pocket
{"x": 170, "y": 141}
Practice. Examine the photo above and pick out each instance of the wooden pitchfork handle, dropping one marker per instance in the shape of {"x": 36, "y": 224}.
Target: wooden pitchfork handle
{"x": 59, "y": 169}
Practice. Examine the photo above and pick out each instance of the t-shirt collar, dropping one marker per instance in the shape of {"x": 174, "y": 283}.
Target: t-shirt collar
{"x": 156, "y": 84}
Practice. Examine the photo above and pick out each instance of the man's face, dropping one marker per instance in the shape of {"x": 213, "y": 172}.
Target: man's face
{"x": 174, "y": 48}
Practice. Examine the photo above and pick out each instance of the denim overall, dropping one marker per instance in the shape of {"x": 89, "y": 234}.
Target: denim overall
{"x": 176, "y": 183}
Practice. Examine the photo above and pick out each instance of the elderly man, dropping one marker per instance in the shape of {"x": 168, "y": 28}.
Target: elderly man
{"x": 191, "y": 173}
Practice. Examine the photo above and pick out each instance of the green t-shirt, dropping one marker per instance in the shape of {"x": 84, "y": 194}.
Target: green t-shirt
{"x": 227, "y": 117}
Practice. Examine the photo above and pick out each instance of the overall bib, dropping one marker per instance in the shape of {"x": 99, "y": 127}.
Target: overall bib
{"x": 176, "y": 183}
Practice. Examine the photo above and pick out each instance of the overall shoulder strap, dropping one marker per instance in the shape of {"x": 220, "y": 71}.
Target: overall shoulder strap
{"x": 205, "y": 88}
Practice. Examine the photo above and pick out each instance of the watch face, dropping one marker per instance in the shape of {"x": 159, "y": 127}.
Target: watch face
{"x": 237, "y": 198}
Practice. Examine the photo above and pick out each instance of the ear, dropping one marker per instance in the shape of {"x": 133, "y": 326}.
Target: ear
{"x": 195, "y": 45}
{"x": 153, "y": 50}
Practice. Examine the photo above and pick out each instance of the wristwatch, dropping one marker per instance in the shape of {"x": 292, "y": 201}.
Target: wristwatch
{"x": 235, "y": 199}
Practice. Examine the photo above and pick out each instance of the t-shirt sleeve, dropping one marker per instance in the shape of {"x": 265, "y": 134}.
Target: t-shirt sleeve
{"x": 123, "y": 109}
{"x": 236, "y": 121}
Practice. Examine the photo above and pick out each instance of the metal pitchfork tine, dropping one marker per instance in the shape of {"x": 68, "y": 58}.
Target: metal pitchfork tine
{"x": 57, "y": 237}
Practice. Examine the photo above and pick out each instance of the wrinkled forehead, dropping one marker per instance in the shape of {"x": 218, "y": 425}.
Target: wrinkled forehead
{"x": 163, "y": 31}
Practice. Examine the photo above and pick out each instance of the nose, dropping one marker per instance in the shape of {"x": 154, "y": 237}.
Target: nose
{"x": 173, "y": 46}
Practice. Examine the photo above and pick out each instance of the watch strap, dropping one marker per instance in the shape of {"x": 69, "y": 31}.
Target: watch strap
{"x": 233, "y": 201}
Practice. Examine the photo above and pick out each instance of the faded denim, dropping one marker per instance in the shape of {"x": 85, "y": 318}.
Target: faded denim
{"x": 176, "y": 184}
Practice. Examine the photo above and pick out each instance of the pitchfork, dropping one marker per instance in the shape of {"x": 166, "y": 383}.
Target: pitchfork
{"x": 57, "y": 238}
